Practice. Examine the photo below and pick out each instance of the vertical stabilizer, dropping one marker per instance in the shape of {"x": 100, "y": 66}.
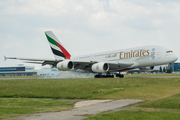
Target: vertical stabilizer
{"x": 56, "y": 46}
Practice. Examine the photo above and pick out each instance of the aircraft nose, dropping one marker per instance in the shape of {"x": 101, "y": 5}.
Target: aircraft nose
{"x": 175, "y": 57}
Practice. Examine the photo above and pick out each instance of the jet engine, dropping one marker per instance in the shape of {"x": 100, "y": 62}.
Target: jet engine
{"x": 146, "y": 69}
{"x": 65, "y": 65}
{"x": 100, "y": 67}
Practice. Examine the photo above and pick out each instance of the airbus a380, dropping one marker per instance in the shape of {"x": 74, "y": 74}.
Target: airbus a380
{"x": 144, "y": 58}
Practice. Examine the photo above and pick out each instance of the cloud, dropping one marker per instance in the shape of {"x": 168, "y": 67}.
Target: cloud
{"x": 85, "y": 26}
{"x": 52, "y": 8}
{"x": 37, "y": 7}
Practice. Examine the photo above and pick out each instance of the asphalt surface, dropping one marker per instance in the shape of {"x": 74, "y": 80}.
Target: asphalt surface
{"x": 74, "y": 78}
{"x": 157, "y": 77}
{"x": 82, "y": 112}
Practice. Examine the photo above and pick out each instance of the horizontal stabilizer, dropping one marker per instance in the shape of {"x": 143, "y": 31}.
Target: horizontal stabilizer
{"x": 28, "y": 59}
{"x": 5, "y": 58}
{"x": 36, "y": 61}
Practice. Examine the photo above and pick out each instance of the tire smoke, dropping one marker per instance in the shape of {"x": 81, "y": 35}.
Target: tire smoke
{"x": 51, "y": 73}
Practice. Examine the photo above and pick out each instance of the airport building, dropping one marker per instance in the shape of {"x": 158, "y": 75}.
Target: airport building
{"x": 138, "y": 72}
{"x": 18, "y": 71}
{"x": 174, "y": 67}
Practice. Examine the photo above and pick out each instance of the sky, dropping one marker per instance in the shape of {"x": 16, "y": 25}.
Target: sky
{"x": 86, "y": 26}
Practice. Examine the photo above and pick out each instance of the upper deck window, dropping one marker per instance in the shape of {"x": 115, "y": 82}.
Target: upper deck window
{"x": 169, "y": 51}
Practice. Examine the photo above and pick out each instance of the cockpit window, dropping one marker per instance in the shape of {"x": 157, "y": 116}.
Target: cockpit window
{"x": 169, "y": 51}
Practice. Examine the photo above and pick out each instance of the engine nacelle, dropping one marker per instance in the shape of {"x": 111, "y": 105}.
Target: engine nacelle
{"x": 65, "y": 65}
{"x": 100, "y": 67}
{"x": 147, "y": 69}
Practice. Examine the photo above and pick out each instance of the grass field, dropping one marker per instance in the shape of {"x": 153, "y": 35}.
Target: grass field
{"x": 154, "y": 90}
{"x": 132, "y": 75}
{"x": 128, "y": 88}
{"x": 162, "y": 109}
{"x": 136, "y": 115}
{"x": 152, "y": 75}
{"x": 172, "y": 102}
{"x": 15, "y": 107}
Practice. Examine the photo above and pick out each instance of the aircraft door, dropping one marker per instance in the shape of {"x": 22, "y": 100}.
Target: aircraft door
{"x": 158, "y": 55}
{"x": 168, "y": 56}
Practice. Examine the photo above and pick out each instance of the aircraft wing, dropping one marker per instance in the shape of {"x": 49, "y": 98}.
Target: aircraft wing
{"x": 114, "y": 65}
{"x": 84, "y": 65}
{"x": 123, "y": 63}
{"x": 118, "y": 65}
{"x": 78, "y": 64}
{"x": 45, "y": 62}
{"x": 36, "y": 61}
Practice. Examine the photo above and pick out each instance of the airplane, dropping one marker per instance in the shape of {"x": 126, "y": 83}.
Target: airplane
{"x": 144, "y": 58}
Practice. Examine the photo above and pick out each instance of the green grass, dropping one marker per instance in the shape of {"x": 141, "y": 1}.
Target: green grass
{"x": 127, "y": 88}
{"x": 1, "y": 77}
{"x": 136, "y": 115}
{"x": 152, "y": 75}
{"x": 15, "y": 107}
{"x": 126, "y": 76}
{"x": 149, "y": 89}
{"x": 163, "y": 109}
{"x": 172, "y": 102}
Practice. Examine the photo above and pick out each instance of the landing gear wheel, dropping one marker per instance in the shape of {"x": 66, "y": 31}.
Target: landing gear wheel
{"x": 112, "y": 76}
{"x": 120, "y": 75}
{"x": 117, "y": 75}
{"x": 98, "y": 76}
{"x": 104, "y": 76}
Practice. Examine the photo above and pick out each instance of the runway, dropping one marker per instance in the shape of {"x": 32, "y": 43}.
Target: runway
{"x": 157, "y": 77}
{"x": 82, "y": 110}
{"x": 81, "y": 78}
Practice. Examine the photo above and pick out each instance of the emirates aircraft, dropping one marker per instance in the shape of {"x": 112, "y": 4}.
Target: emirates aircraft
{"x": 105, "y": 63}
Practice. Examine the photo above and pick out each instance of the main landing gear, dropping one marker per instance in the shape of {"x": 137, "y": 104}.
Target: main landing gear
{"x": 104, "y": 76}
{"x": 120, "y": 75}
{"x": 108, "y": 75}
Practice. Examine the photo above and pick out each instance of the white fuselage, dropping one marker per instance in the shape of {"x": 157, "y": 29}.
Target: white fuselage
{"x": 151, "y": 55}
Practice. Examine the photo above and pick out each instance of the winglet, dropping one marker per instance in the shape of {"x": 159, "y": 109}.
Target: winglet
{"x": 5, "y": 58}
